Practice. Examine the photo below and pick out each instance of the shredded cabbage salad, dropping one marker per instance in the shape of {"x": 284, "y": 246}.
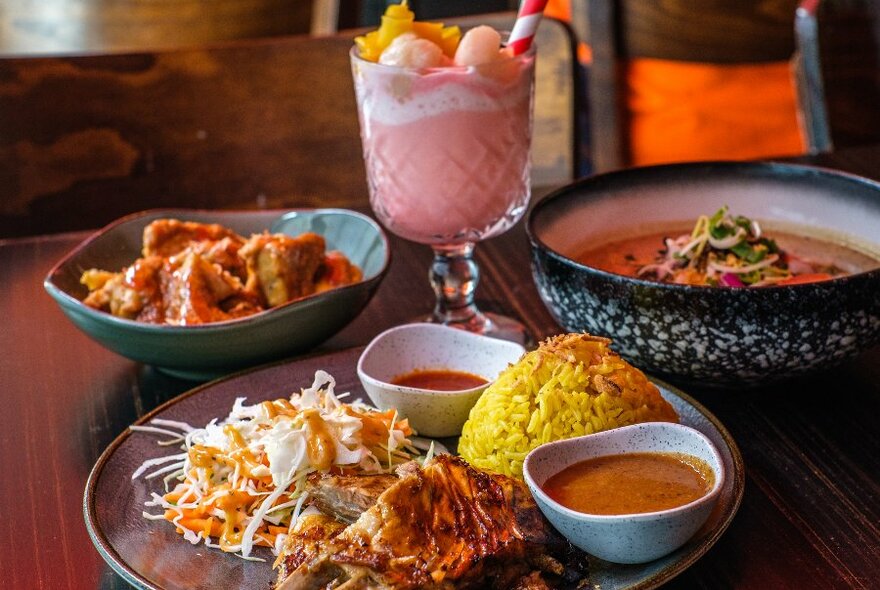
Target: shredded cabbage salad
{"x": 241, "y": 480}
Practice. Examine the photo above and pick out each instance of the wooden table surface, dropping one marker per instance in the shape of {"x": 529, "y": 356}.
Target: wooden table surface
{"x": 810, "y": 517}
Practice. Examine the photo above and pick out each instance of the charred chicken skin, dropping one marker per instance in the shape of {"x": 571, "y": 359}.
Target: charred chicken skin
{"x": 195, "y": 273}
{"x": 447, "y": 525}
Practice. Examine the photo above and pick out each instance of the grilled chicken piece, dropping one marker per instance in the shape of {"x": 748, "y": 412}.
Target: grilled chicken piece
{"x": 532, "y": 581}
{"x": 306, "y": 538}
{"x": 346, "y": 497}
{"x": 282, "y": 268}
{"x": 167, "y": 237}
{"x": 445, "y": 526}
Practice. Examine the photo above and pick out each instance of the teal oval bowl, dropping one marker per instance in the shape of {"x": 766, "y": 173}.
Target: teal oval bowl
{"x": 210, "y": 350}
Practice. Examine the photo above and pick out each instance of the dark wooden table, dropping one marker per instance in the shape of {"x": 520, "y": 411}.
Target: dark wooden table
{"x": 810, "y": 517}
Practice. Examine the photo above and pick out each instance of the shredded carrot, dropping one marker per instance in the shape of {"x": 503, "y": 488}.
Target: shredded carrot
{"x": 228, "y": 487}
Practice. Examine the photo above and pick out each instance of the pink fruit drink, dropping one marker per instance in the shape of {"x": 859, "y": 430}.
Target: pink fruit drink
{"x": 447, "y": 149}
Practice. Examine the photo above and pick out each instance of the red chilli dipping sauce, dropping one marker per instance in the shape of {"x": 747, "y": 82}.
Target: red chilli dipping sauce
{"x": 439, "y": 380}
{"x": 631, "y": 483}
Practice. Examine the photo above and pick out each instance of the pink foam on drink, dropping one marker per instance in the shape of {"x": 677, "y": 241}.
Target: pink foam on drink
{"x": 447, "y": 150}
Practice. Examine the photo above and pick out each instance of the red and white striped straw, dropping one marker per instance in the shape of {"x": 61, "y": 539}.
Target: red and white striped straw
{"x": 523, "y": 33}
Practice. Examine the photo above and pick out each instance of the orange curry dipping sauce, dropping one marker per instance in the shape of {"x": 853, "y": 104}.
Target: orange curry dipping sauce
{"x": 439, "y": 380}
{"x": 631, "y": 483}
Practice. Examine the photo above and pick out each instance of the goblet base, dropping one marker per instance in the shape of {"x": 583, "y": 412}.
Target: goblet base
{"x": 454, "y": 276}
{"x": 488, "y": 324}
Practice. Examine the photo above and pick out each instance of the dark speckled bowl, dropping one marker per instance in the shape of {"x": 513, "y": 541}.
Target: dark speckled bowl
{"x": 714, "y": 336}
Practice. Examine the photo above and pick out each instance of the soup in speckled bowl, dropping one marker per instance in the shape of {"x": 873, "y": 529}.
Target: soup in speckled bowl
{"x": 592, "y": 242}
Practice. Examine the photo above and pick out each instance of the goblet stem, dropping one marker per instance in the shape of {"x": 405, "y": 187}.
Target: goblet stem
{"x": 454, "y": 276}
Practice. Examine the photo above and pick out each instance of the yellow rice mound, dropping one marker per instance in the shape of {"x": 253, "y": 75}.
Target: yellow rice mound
{"x": 572, "y": 385}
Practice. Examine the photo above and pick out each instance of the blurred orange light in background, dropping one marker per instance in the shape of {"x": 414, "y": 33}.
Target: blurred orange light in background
{"x": 681, "y": 111}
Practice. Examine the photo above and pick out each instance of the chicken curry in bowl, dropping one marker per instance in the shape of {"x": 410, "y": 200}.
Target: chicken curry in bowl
{"x": 203, "y": 300}
{"x": 196, "y": 273}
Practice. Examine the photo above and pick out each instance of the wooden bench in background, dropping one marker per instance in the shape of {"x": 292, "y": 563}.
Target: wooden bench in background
{"x": 834, "y": 52}
{"x": 32, "y": 27}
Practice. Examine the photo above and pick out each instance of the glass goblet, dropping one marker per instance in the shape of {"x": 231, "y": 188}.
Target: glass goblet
{"x": 447, "y": 152}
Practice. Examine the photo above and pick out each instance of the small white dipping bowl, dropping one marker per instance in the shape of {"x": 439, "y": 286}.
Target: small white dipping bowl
{"x": 411, "y": 347}
{"x": 627, "y": 538}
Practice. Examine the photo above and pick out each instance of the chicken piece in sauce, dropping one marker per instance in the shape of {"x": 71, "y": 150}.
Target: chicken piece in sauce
{"x": 337, "y": 271}
{"x": 281, "y": 267}
{"x": 167, "y": 237}
{"x": 447, "y": 525}
{"x": 126, "y": 294}
{"x": 197, "y": 291}
{"x": 194, "y": 273}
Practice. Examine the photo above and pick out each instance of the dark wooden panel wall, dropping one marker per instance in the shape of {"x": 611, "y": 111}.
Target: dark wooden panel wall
{"x": 258, "y": 123}
{"x": 371, "y": 10}
{"x": 709, "y": 31}
{"x": 248, "y": 124}
{"x": 849, "y": 44}
{"x": 733, "y": 31}
{"x": 74, "y": 26}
